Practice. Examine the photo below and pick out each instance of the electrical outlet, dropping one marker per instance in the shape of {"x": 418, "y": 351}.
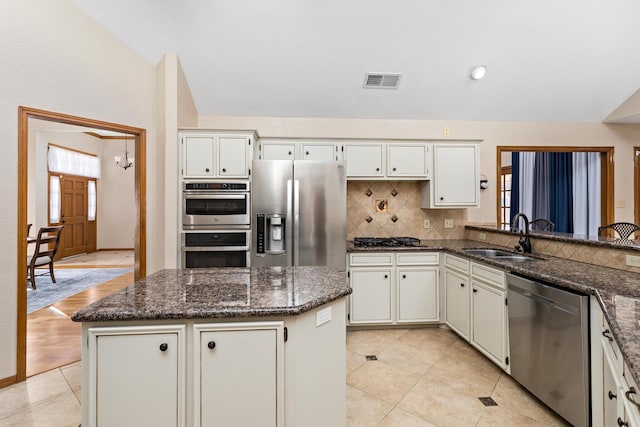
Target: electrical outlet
{"x": 426, "y": 223}
{"x": 445, "y": 132}
{"x": 633, "y": 261}
{"x": 621, "y": 203}
{"x": 323, "y": 316}
{"x": 482, "y": 236}
{"x": 448, "y": 223}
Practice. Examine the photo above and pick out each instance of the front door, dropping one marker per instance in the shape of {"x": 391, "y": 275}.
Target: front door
{"x": 73, "y": 215}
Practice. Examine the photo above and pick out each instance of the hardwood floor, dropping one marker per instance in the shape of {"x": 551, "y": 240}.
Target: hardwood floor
{"x": 53, "y": 340}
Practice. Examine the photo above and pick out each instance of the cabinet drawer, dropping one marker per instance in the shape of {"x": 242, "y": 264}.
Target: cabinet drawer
{"x": 610, "y": 345}
{"x": 370, "y": 258}
{"x": 456, "y": 263}
{"x": 417, "y": 258}
{"x": 490, "y": 275}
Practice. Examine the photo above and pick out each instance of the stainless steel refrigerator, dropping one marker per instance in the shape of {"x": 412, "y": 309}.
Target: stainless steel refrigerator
{"x": 298, "y": 213}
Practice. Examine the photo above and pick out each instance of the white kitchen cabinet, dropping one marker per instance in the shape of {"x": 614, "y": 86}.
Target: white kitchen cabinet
{"x": 455, "y": 182}
{"x": 457, "y": 301}
{"x": 364, "y": 160}
{"x": 216, "y": 155}
{"x": 235, "y": 363}
{"x": 612, "y": 385}
{"x": 394, "y": 287}
{"x": 408, "y": 160}
{"x": 371, "y": 298}
{"x": 489, "y": 321}
{"x": 277, "y": 149}
{"x": 137, "y": 376}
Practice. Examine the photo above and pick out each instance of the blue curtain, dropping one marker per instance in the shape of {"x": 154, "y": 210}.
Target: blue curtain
{"x": 515, "y": 185}
{"x": 561, "y": 191}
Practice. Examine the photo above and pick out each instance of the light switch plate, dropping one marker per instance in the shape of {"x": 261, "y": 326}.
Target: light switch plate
{"x": 426, "y": 223}
{"x": 633, "y": 261}
{"x": 323, "y": 316}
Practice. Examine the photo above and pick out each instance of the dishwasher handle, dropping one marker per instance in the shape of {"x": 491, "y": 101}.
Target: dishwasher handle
{"x": 542, "y": 300}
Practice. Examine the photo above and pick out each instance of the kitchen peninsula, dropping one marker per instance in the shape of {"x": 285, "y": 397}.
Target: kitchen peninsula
{"x": 222, "y": 346}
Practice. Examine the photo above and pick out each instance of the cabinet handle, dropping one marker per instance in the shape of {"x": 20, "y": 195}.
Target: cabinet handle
{"x": 441, "y": 198}
{"x": 628, "y": 394}
{"x": 394, "y": 169}
{"x": 164, "y": 346}
{"x": 206, "y": 170}
{"x": 289, "y": 152}
{"x": 607, "y": 334}
{"x": 611, "y": 395}
{"x": 211, "y": 344}
{"x": 224, "y": 170}
{"x": 475, "y": 290}
{"x": 377, "y": 169}
{"x": 622, "y": 423}
{"x": 386, "y": 277}
{"x": 307, "y": 153}
{"x": 462, "y": 285}
{"x": 404, "y": 276}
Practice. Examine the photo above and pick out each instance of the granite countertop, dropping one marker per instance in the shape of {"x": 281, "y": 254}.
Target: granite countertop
{"x": 220, "y": 292}
{"x": 617, "y": 291}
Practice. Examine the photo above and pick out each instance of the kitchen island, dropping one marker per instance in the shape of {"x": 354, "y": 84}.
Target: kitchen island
{"x": 224, "y": 346}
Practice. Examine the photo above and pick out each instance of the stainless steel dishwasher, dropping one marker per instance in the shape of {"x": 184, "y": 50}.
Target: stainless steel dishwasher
{"x": 549, "y": 346}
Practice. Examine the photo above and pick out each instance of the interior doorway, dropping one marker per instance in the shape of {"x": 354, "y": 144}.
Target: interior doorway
{"x": 139, "y": 135}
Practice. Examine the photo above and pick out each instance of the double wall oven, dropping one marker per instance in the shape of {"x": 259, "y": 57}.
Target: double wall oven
{"x": 216, "y": 227}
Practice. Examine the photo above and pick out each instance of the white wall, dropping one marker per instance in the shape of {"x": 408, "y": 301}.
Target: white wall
{"x": 53, "y": 57}
{"x": 492, "y": 134}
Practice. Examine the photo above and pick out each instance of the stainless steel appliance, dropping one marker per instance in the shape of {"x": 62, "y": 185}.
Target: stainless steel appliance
{"x": 549, "y": 346}
{"x": 228, "y": 248}
{"x": 299, "y": 213}
{"x": 216, "y": 204}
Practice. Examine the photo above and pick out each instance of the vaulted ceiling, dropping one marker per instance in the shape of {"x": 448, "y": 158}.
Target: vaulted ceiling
{"x": 547, "y": 60}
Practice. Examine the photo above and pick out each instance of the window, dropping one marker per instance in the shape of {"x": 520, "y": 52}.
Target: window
{"x": 505, "y": 198}
{"x": 91, "y": 200}
{"x": 54, "y": 199}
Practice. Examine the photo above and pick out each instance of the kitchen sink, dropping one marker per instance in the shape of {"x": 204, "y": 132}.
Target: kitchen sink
{"x": 501, "y": 255}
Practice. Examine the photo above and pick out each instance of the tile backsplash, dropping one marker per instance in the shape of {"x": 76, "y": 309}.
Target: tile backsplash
{"x": 401, "y": 216}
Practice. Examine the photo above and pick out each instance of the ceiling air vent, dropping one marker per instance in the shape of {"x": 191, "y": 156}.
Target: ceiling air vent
{"x": 381, "y": 80}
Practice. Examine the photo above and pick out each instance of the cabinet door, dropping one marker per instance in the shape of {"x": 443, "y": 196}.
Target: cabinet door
{"x": 364, "y": 160}
{"x": 320, "y": 152}
{"x": 456, "y": 175}
{"x": 457, "y": 307}
{"x": 417, "y": 294}
{"x": 407, "y": 160}
{"x": 233, "y": 157}
{"x": 198, "y": 156}
{"x": 137, "y": 380}
{"x": 489, "y": 327}
{"x": 371, "y": 297}
{"x": 611, "y": 394}
{"x": 278, "y": 151}
{"x": 238, "y": 378}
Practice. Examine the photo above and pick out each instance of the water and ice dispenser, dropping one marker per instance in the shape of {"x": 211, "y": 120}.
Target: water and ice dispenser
{"x": 271, "y": 234}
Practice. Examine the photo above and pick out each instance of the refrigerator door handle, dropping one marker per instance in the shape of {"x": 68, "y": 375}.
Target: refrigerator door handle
{"x": 296, "y": 222}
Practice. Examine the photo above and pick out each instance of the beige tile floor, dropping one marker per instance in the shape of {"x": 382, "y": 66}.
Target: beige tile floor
{"x": 423, "y": 377}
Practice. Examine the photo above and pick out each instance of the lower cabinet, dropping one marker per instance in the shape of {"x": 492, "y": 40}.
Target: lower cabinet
{"x": 137, "y": 376}
{"x": 394, "y": 287}
{"x": 614, "y": 393}
{"x": 475, "y": 306}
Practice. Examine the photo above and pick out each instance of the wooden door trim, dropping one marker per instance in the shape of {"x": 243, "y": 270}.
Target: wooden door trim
{"x": 140, "y": 236}
{"x": 607, "y": 212}
{"x": 636, "y": 185}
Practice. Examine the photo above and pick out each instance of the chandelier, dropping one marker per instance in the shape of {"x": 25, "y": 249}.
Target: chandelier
{"x": 126, "y": 162}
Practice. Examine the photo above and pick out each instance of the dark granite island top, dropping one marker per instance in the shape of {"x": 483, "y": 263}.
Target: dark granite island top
{"x": 220, "y": 293}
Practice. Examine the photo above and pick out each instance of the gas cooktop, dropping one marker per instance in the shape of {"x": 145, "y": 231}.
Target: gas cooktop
{"x": 385, "y": 241}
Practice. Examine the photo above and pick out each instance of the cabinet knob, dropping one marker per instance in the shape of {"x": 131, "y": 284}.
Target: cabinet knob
{"x": 622, "y": 423}
{"x": 289, "y": 152}
{"x": 307, "y": 153}
{"x": 206, "y": 170}
{"x": 377, "y": 169}
{"x": 404, "y": 276}
{"x": 607, "y": 334}
{"x": 628, "y": 394}
{"x": 386, "y": 276}
{"x": 211, "y": 344}
{"x": 475, "y": 290}
{"x": 462, "y": 285}
{"x": 224, "y": 170}
{"x": 611, "y": 395}
{"x": 164, "y": 346}
{"x": 441, "y": 198}
{"x": 394, "y": 169}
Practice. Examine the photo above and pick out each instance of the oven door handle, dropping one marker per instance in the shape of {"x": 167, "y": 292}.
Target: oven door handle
{"x": 216, "y": 196}
{"x": 214, "y": 248}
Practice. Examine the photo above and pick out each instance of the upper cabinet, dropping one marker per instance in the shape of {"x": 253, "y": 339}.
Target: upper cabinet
{"x": 388, "y": 160}
{"x": 456, "y": 177}
{"x": 274, "y": 149}
{"x": 216, "y": 154}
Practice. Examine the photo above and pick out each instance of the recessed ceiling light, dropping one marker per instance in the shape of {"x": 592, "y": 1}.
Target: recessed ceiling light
{"x": 478, "y": 72}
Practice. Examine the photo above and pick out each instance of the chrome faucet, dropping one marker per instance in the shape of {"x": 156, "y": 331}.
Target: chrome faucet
{"x": 524, "y": 242}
